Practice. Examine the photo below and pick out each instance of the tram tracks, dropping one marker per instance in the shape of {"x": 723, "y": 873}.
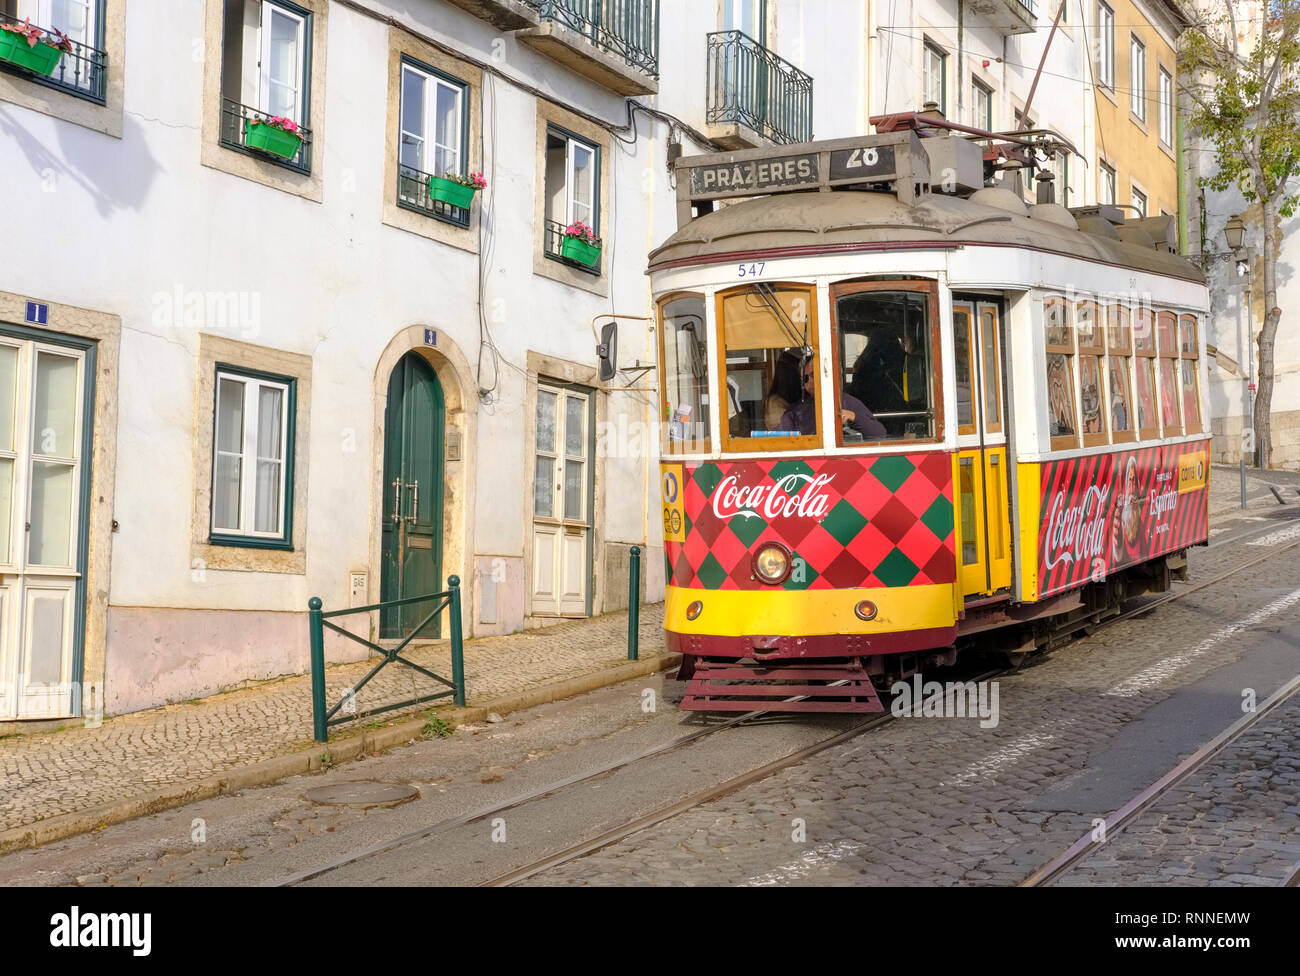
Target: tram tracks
{"x": 1116, "y": 821}
{"x": 734, "y": 784}
{"x": 740, "y": 782}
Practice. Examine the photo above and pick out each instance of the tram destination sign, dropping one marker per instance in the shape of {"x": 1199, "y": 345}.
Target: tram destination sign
{"x": 863, "y": 163}
{"x": 755, "y": 175}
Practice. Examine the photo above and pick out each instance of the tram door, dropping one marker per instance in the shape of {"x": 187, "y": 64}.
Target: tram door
{"x": 984, "y": 514}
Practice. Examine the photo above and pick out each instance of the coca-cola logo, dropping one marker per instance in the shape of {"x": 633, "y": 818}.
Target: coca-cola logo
{"x": 1077, "y": 532}
{"x": 794, "y": 496}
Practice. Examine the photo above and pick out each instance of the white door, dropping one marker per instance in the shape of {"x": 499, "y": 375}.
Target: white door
{"x": 561, "y": 521}
{"x": 41, "y": 395}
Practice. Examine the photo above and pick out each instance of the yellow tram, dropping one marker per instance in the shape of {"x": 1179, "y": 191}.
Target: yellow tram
{"x": 895, "y": 418}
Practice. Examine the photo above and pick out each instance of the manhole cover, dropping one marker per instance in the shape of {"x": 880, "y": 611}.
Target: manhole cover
{"x": 363, "y": 794}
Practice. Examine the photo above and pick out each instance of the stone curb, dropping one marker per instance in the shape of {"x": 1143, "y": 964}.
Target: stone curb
{"x": 311, "y": 758}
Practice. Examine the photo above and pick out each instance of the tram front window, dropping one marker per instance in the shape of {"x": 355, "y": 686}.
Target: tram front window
{"x": 685, "y": 358}
{"x": 885, "y": 358}
{"x": 772, "y": 382}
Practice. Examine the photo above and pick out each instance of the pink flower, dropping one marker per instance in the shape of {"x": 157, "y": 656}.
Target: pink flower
{"x": 33, "y": 34}
{"x": 582, "y": 232}
{"x": 56, "y": 38}
{"x": 278, "y": 122}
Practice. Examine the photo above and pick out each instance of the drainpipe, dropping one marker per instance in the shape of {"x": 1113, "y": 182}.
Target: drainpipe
{"x": 961, "y": 61}
{"x": 1182, "y": 190}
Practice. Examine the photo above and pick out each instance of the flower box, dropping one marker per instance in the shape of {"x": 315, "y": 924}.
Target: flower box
{"x": 271, "y": 139}
{"x": 40, "y": 58}
{"x": 450, "y": 192}
{"x": 577, "y": 250}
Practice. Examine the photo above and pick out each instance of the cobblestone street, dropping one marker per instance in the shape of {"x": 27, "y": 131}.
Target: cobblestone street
{"x": 945, "y": 802}
{"x": 44, "y": 775}
{"x": 1234, "y": 821}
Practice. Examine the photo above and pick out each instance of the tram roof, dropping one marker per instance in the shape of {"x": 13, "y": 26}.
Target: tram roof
{"x": 838, "y": 220}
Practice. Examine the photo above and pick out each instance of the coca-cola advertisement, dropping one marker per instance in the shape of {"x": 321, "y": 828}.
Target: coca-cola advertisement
{"x": 1107, "y": 511}
{"x": 846, "y": 522}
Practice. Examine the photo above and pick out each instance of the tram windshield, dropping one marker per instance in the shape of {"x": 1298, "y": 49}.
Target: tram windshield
{"x": 772, "y": 382}
{"x": 885, "y": 360}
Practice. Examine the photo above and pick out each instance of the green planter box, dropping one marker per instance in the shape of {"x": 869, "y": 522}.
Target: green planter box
{"x": 576, "y": 249}
{"x": 41, "y": 59}
{"x": 269, "y": 139}
{"x": 450, "y": 192}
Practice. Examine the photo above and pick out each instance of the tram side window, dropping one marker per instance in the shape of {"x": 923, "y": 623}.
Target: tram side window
{"x": 885, "y": 360}
{"x": 770, "y": 367}
{"x": 685, "y": 358}
{"x": 1063, "y": 425}
{"x": 1189, "y": 351}
{"x": 1144, "y": 348}
{"x": 1092, "y": 356}
{"x": 1168, "y": 355}
{"x": 1120, "y": 343}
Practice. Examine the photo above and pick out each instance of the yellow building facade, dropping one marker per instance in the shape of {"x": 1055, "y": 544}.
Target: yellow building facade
{"x": 1134, "y": 151}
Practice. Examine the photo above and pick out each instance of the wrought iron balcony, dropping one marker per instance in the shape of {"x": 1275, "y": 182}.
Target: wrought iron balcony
{"x": 233, "y": 130}
{"x": 83, "y": 71}
{"x": 1007, "y": 17}
{"x": 413, "y": 194}
{"x": 752, "y": 88}
{"x": 554, "y": 240}
{"x": 614, "y": 42}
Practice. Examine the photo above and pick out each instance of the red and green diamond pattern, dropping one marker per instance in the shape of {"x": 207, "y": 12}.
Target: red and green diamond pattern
{"x": 884, "y": 521}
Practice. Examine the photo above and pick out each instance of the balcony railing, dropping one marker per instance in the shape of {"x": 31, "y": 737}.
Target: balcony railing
{"x": 753, "y": 87}
{"x": 554, "y": 240}
{"x": 233, "y": 117}
{"x": 626, "y": 28}
{"x": 413, "y": 194}
{"x": 83, "y": 71}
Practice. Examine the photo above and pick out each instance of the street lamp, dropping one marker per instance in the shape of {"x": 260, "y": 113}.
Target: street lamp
{"x": 1234, "y": 233}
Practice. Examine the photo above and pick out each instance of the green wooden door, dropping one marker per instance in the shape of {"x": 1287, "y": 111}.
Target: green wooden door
{"x": 412, "y": 509}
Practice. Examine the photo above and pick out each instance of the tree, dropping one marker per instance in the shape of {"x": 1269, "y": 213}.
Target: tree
{"x": 1243, "y": 70}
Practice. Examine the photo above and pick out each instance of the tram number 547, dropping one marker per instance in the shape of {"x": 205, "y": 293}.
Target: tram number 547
{"x": 753, "y": 270}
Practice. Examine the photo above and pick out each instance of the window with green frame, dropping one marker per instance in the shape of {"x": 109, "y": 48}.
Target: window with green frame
{"x": 572, "y": 189}
{"x": 433, "y": 138}
{"x": 266, "y": 74}
{"x": 252, "y": 458}
{"x": 935, "y": 76}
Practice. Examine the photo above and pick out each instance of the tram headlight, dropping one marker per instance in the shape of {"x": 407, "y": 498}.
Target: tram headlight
{"x": 694, "y": 609}
{"x": 772, "y": 563}
{"x": 866, "y": 610}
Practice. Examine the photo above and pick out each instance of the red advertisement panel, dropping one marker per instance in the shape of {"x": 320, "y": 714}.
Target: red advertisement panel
{"x": 1106, "y": 511}
{"x": 847, "y": 522}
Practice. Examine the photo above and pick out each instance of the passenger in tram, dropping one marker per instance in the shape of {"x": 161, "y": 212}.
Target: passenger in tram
{"x": 784, "y": 390}
{"x": 802, "y": 416}
{"x": 890, "y": 372}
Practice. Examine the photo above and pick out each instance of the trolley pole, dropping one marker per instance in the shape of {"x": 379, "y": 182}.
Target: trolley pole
{"x": 634, "y": 603}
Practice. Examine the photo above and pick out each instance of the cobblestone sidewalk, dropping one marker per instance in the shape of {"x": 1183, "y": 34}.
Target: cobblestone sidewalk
{"x": 76, "y": 769}
{"x": 1225, "y": 490}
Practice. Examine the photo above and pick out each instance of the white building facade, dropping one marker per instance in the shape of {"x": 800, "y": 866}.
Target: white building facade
{"x": 232, "y": 380}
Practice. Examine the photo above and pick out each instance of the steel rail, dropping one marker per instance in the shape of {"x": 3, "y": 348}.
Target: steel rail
{"x": 1143, "y": 801}
{"x": 1292, "y": 880}
{"x": 696, "y": 799}
{"x": 482, "y": 814}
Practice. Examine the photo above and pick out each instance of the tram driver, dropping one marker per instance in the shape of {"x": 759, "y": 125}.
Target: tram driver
{"x": 801, "y": 415}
